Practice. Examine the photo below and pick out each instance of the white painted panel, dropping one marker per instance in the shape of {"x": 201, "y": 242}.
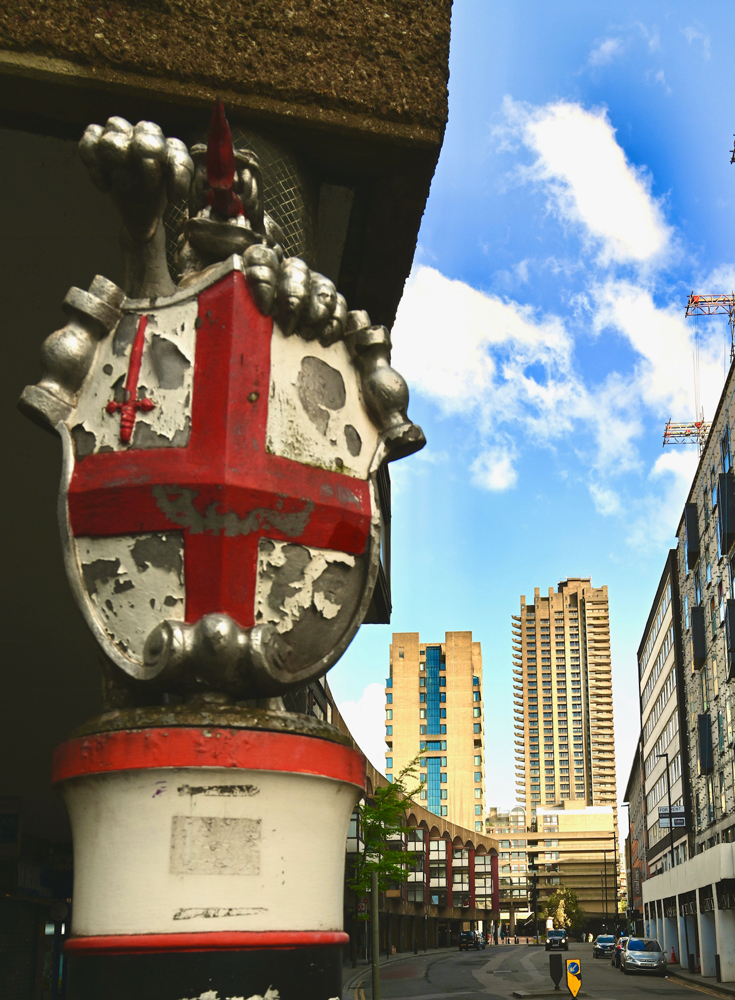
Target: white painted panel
{"x": 327, "y": 433}
{"x": 133, "y": 581}
{"x": 133, "y": 873}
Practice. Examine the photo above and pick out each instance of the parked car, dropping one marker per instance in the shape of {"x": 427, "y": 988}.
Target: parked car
{"x": 471, "y": 939}
{"x": 604, "y": 945}
{"x": 617, "y": 951}
{"x": 557, "y": 940}
{"x": 643, "y": 955}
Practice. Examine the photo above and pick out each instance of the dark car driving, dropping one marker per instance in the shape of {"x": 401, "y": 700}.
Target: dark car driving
{"x": 471, "y": 939}
{"x": 603, "y": 946}
{"x": 557, "y": 939}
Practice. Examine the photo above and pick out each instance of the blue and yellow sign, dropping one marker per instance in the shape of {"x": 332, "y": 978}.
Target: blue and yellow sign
{"x": 574, "y": 976}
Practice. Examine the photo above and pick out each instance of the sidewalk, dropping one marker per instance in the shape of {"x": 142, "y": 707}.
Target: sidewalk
{"x": 706, "y": 982}
{"x": 351, "y": 976}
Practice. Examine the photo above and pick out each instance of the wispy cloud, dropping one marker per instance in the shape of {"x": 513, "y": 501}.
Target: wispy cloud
{"x": 605, "y": 51}
{"x": 694, "y": 35}
{"x": 589, "y": 182}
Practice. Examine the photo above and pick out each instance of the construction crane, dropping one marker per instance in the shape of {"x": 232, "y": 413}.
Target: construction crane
{"x": 701, "y": 305}
{"x": 710, "y": 305}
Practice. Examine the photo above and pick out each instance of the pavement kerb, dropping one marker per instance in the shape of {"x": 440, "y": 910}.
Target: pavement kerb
{"x": 719, "y": 988}
{"x": 364, "y": 970}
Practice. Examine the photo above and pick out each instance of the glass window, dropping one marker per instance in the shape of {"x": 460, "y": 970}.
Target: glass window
{"x": 478, "y": 793}
{"x": 443, "y": 777}
{"x": 444, "y": 759}
{"x": 478, "y": 775}
{"x": 389, "y": 762}
{"x": 422, "y": 697}
{"x": 476, "y": 711}
{"x": 400, "y": 652}
{"x": 442, "y": 730}
{"x": 389, "y": 730}
{"x": 475, "y": 695}
{"x": 478, "y": 810}
{"x": 478, "y": 826}
{"x": 389, "y": 698}
{"x": 444, "y": 811}
{"x": 476, "y": 728}
{"x": 444, "y": 793}
{"x": 422, "y": 730}
{"x": 422, "y": 682}
{"x": 705, "y": 699}
{"x": 389, "y": 682}
{"x": 422, "y": 713}
{"x": 476, "y": 681}
{"x": 478, "y": 759}
{"x": 442, "y": 713}
{"x": 442, "y": 682}
{"x": 389, "y": 713}
{"x": 442, "y": 696}
{"x": 686, "y": 610}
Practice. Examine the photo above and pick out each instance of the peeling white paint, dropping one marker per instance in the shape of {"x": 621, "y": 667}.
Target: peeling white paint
{"x": 290, "y": 431}
{"x": 166, "y": 377}
{"x": 286, "y": 611}
{"x": 133, "y": 582}
{"x": 270, "y": 994}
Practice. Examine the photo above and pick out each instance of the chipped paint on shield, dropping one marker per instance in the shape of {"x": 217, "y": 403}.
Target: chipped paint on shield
{"x": 289, "y": 579}
{"x": 132, "y": 582}
{"x": 315, "y": 409}
{"x": 166, "y": 377}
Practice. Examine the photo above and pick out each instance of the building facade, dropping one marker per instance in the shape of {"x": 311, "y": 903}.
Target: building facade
{"x": 635, "y": 842}
{"x": 664, "y": 743}
{"x": 691, "y": 905}
{"x": 509, "y": 827}
{"x": 434, "y": 712}
{"x": 565, "y": 751}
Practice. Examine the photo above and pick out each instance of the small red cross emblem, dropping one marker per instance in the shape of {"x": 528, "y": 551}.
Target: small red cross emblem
{"x": 130, "y": 403}
{"x": 223, "y": 491}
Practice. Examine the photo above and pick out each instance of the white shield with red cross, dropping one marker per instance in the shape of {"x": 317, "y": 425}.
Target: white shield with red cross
{"x": 218, "y": 471}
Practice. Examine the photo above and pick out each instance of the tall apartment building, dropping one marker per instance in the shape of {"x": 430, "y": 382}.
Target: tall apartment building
{"x": 565, "y": 750}
{"x": 433, "y": 710}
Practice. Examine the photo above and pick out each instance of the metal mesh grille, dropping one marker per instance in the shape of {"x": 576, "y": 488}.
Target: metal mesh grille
{"x": 285, "y": 195}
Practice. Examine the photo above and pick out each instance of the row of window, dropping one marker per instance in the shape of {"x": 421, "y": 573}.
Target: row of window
{"x": 659, "y": 790}
{"x": 669, "y": 731}
{"x": 655, "y": 627}
{"x": 658, "y": 666}
{"x": 660, "y": 704}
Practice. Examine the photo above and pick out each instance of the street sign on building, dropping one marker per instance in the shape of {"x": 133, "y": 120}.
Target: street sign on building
{"x": 675, "y": 818}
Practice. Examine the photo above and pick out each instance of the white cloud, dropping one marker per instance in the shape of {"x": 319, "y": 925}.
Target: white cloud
{"x": 605, "y": 51}
{"x": 693, "y": 35}
{"x": 606, "y": 500}
{"x": 365, "y": 719}
{"x": 657, "y": 518}
{"x": 589, "y": 181}
{"x": 493, "y": 470}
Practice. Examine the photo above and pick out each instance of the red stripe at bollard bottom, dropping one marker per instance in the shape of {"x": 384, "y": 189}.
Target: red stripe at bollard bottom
{"x": 208, "y": 862}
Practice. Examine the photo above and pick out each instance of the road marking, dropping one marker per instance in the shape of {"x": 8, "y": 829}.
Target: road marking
{"x": 690, "y": 986}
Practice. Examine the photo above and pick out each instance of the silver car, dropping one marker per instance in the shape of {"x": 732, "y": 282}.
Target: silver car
{"x": 643, "y": 955}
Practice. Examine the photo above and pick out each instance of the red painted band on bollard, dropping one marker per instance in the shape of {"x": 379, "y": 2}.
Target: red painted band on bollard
{"x": 130, "y": 944}
{"x": 246, "y": 749}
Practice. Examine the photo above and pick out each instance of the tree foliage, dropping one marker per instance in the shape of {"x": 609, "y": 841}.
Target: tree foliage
{"x": 382, "y": 825}
{"x": 563, "y": 907}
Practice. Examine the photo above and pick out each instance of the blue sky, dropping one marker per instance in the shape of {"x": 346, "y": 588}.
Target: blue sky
{"x": 583, "y": 190}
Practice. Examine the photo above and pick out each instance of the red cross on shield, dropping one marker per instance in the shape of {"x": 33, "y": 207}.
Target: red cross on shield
{"x": 223, "y": 472}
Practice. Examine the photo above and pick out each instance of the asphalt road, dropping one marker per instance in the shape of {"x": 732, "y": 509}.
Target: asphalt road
{"x": 493, "y": 974}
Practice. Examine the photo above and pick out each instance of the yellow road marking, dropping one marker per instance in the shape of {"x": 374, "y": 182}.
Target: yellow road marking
{"x": 690, "y": 986}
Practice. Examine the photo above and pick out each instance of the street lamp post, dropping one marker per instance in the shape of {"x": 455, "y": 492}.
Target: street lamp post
{"x": 668, "y": 795}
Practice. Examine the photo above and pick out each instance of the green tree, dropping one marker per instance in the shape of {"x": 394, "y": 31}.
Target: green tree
{"x": 563, "y": 907}
{"x": 382, "y": 862}
{"x": 382, "y": 825}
